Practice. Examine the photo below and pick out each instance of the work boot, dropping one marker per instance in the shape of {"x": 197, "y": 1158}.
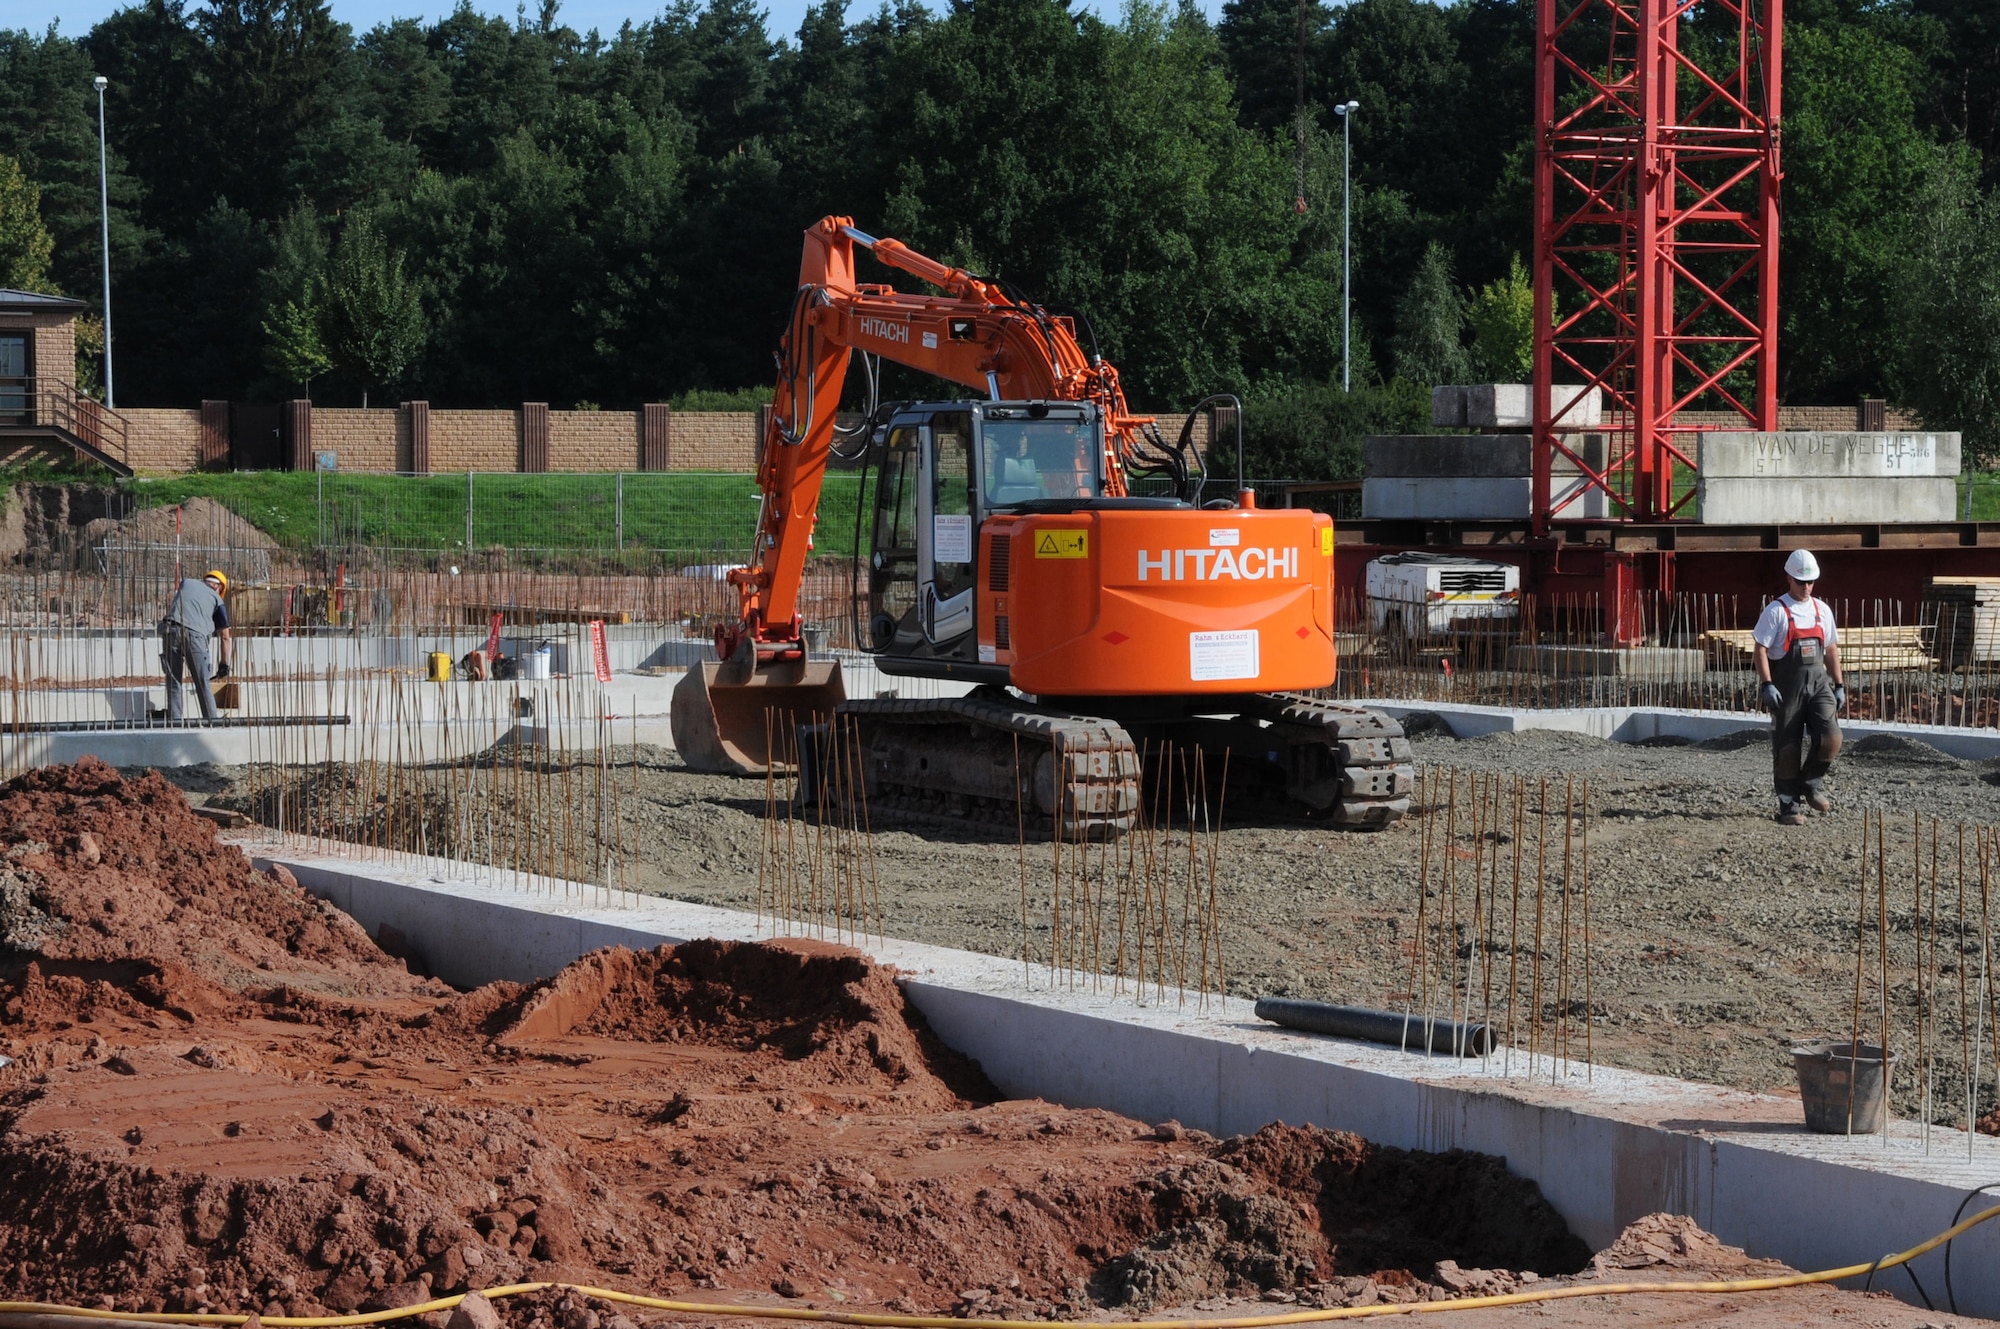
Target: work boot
{"x": 1819, "y": 802}
{"x": 1789, "y": 815}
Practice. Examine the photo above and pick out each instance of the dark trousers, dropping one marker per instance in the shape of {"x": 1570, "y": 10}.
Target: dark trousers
{"x": 1806, "y": 713}
{"x": 183, "y": 651}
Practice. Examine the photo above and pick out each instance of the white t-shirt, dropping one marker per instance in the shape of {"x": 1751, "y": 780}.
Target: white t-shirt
{"x": 1770, "y": 630}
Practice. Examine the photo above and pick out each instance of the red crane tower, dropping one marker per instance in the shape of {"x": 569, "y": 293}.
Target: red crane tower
{"x": 1656, "y": 237}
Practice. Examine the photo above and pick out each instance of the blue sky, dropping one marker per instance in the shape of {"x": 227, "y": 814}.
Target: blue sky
{"x": 77, "y": 16}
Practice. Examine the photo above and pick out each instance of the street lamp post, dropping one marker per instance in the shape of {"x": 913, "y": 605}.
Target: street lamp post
{"x": 104, "y": 235}
{"x": 1346, "y": 112}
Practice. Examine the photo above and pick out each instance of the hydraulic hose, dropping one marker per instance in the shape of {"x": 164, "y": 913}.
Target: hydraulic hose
{"x": 24, "y": 1313}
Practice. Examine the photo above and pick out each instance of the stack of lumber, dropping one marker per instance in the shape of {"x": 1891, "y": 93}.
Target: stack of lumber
{"x": 1967, "y": 613}
{"x": 1860, "y": 648}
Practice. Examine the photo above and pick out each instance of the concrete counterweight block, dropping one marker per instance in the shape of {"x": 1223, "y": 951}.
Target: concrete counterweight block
{"x": 1805, "y": 476}
{"x": 1473, "y": 477}
{"x": 1507, "y": 406}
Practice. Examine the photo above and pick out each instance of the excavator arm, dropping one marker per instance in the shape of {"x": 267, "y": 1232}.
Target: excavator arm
{"x": 970, "y": 331}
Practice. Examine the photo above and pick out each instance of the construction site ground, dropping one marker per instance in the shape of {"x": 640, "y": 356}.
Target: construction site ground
{"x": 1719, "y": 938}
{"x": 225, "y": 1097}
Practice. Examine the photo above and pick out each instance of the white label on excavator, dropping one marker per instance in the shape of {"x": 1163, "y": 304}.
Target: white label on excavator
{"x": 951, "y": 538}
{"x": 1223, "y": 537}
{"x": 930, "y": 341}
{"x": 1214, "y": 656}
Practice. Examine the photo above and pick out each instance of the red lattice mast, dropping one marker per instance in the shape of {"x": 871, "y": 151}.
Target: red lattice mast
{"x": 1656, "y": 239}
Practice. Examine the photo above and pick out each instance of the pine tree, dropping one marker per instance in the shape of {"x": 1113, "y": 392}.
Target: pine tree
{"x": 25, "y": 244}
{"x": 1430, "y": 324}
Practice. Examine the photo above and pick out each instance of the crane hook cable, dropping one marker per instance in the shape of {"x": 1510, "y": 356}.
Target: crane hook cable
{"x": 18, "y": 1311}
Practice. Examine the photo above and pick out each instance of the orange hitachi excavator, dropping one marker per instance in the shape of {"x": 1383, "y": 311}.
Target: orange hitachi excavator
{"x": 1000, "y": 544}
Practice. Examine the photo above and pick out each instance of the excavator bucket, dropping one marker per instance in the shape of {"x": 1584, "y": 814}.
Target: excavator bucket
{"x": 731, "y": 719}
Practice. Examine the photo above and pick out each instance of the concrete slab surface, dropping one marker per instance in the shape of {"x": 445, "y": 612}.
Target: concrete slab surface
{"x": 1606, "y": 1146}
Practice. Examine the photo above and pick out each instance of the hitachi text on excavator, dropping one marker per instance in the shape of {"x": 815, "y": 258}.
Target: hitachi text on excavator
{"x": 1003, "y": 546}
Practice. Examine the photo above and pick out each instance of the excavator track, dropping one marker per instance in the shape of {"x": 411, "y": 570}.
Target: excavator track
{"x": 984, "y": 760}
{"x": 1367, "y": 777}
{"x": 993, "y": 760}
{"x": 1302, "y": 758}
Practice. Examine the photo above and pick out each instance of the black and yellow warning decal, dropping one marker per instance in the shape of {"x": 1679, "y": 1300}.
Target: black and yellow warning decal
{"x": 1062, "y": 544}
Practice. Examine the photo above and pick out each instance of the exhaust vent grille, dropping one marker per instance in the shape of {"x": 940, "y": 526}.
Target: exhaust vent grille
{"x": 1001, "y": 639}
{"x": 1459, "y": 580}
{"x": 998, "y": 559}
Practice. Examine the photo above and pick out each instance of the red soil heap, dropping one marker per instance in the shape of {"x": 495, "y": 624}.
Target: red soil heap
{"x": 226, "y": 1096}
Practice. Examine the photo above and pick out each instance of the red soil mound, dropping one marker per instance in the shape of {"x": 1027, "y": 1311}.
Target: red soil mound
{"x": 226, "y": 1097}
{"x": 95, "y": 868}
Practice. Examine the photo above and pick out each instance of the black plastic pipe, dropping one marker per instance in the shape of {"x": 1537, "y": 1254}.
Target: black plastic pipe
{"x": 1372, "y": 1026}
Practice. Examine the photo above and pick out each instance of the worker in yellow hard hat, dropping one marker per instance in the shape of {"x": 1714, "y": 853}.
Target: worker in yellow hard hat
{"x": 195, "y": 617}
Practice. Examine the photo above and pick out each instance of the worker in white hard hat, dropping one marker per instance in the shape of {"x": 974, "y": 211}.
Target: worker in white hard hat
{"x": 1798, "y": 664}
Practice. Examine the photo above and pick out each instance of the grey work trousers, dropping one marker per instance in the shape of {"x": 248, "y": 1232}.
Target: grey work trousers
{"x": 183, "y": 649}
{"x": 1807, "y": 712}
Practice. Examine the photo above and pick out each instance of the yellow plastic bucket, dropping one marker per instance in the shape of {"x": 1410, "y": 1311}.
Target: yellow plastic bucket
{"x": 440, "y": 671}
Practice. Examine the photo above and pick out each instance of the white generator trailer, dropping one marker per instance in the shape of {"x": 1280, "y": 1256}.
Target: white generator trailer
{"x": 1415, "y": 594}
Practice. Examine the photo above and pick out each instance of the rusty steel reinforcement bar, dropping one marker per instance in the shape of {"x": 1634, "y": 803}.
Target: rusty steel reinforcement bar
{"x": 1373, "y": 1026}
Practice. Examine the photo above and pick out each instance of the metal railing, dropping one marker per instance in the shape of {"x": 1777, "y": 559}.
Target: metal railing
{"x": 40, "y": 403}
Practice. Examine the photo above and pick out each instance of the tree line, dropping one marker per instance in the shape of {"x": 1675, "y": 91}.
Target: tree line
{"x": 481, "y": 211}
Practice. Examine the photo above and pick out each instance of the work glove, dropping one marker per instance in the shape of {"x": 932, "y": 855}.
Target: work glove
{"x": 1773, "y": 698}
{"x": 1840, "y": 696}
{"x": 222, "y": 671}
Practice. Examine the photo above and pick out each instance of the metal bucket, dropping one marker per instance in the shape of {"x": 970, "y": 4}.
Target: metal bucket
{"x": 1842, "y": 1086}
{"x": 727, "y": 718}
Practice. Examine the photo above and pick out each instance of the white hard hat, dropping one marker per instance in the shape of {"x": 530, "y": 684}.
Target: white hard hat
{"x": 1802, "y": 565}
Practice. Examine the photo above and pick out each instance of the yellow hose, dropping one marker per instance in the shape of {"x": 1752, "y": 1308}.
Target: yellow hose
{"x": 875, "y": 1321}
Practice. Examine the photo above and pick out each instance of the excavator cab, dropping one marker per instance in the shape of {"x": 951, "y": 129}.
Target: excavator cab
{"x": 940, "y": 469}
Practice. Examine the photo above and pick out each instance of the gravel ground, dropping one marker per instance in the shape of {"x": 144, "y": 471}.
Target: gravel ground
{"x": 1718, "y": 937}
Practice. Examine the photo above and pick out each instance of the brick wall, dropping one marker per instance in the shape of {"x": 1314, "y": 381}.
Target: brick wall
{"x": 162, "y": 439}
{"x": 593, "y": 440}
{"x": 475, "y": 440}
{"x": 363, "y": 440}
{"x": 714, "y": 441}
{"x": 55, "y": 349}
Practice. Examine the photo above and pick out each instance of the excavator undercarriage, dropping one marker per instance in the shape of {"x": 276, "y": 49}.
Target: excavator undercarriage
{"x": 994, "y": 758}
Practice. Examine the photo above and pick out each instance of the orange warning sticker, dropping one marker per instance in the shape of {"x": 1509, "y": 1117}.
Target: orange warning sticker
{"x": 1062, "y": 544}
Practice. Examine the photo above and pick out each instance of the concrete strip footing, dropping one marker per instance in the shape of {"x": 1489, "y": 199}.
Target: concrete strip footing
{"x": 1606, "y": 1147}
{"x": 1641, "y": 724}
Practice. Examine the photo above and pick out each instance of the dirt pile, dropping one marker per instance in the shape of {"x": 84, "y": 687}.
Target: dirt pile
{"x": 198, "y": 523}
{"x": 1674, "y": 1242}
{"x": 96, "y": 870}
{"x": 227, "y": 1097}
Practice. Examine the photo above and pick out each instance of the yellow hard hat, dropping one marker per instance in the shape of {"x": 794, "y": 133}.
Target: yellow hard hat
{"x": 216, "y": 574}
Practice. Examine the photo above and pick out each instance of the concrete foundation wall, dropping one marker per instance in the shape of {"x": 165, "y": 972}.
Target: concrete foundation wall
{"x": 1746, "y": 502}
{"x": 1798, "y": 454}
{"x": 1604, "y": 1149}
